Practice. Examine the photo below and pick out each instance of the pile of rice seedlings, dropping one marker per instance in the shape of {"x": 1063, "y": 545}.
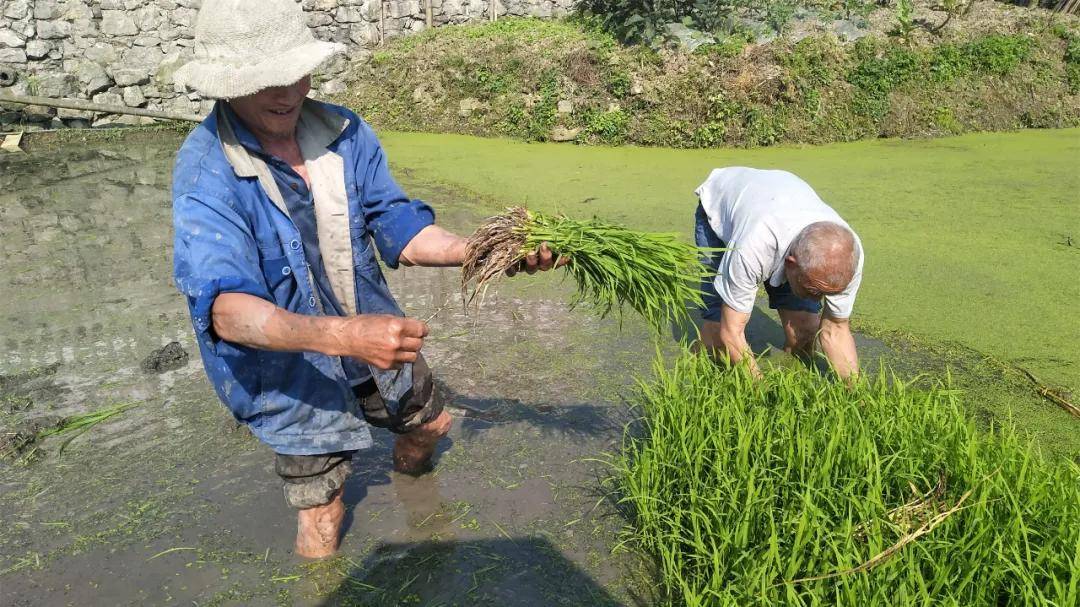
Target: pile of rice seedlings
{"x": 795, "y": 490}
{"x": 656, "y": 275}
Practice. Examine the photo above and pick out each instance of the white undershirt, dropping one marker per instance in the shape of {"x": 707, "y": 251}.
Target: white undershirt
{"x": 758, "y": 213}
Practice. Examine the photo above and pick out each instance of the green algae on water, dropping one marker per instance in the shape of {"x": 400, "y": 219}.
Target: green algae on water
{"x": 966, "y": 237}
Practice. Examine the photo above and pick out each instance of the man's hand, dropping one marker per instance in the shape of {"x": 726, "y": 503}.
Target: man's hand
{"x": 541, "y": 259}
{"x": 379, "y": 339}
{"x": 382, "y": 340}
{"x": 727, "y": 338}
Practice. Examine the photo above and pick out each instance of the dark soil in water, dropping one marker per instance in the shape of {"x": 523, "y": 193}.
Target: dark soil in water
{"x": 171, "y": 357}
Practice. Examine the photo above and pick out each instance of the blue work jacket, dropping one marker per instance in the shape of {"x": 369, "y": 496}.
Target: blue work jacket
{"x": 231, "y": 237}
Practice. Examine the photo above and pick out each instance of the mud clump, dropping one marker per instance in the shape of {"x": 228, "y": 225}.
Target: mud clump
{"x": 171, "y": 357}
{"x": 20, "y": 442}
{"x": 19, "y": 393}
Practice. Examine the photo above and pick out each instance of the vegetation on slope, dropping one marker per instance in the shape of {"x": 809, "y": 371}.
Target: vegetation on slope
{"x": 542, "y": 80}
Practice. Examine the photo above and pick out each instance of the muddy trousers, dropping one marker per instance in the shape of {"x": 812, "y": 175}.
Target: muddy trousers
{"x": 312, "y": 480}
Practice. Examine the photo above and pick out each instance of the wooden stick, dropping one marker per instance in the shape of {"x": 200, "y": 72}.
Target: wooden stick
{"x": 1067, "y": 6}
{"x": 884, "y": 555}
{"x": 382, "y": 22}
{"x": 87, "y": 106}
{"x": 1049, "y": 394}
{"x": 427, "y": 13}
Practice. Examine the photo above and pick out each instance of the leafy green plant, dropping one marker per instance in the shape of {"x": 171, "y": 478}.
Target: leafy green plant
{"x": 656, "y": 275}
{"x": 543, "y": 114}
{"x": 1072, "y": 64}
{"x": 814, "y": 61}
{"x": 905, "y": 18}
{"x": 778, "y": 14}
{"x": 948, "y": 62}
{"x": 999, "y": 54}
{"x": 764, "y": 127}
{"x": 881, "y": 75}
{"x": 857, "y": 8}
{"x": 951, "y": 8}
{"x": 609, "y": 127}
{"x": 487, "y": 82}
{"x": 796, "y": 490}
{"x": 618, "y": 83}
{"x": 725, "y": 48}
{"x": 946, "y": 120}
{"x": 638, "y": 21}
{"x": 709, "y": 135}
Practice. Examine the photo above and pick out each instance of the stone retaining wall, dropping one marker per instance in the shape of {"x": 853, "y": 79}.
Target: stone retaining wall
{"x": 124, "y": 52}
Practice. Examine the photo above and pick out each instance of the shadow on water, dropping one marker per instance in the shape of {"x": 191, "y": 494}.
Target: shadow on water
{"x": 569, "y": 420}
{"x": 473, "y": 417}
{"x": 766, "y": 338}
{"x": 507, "y": 572}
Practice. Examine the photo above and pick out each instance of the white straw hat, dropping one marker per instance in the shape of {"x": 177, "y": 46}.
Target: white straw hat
{"x": 245, "y": 46}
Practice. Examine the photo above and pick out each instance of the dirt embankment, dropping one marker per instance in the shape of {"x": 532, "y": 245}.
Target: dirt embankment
{"x": 824, "y": 79}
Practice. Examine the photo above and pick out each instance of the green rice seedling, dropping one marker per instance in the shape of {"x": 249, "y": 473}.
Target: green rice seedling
{"x": 795, "y": 490}
{"x": 656, "y": 275}
{"x": 24, "y": 444}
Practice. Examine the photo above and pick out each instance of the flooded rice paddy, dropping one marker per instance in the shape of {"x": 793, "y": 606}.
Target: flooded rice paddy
{"x": 172, "y": 503}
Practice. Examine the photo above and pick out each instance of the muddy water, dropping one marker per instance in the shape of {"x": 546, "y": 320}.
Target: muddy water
{"x": 173, "y": 504}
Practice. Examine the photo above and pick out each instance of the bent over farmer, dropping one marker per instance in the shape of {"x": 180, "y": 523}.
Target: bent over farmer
{"x": 780, "y": 233}
{"x": 279, "y": 206}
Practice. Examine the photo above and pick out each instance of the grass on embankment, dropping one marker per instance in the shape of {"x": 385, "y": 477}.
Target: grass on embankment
{"x": 879, "y": 493}
{"x": 965, "y": 237}
{"x": 514, "y": 78}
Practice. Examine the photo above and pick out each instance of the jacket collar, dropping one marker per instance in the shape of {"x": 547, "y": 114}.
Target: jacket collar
{"x": 242, "y": 148}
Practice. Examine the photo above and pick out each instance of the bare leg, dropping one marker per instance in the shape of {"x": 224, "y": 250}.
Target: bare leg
{"x": 412, "y": 451}
{"x": 800, "y": 332}
{"x": 318, "y": 530}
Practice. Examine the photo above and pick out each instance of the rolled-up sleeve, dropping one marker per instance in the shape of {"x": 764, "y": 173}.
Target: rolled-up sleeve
{"x": 214, "y": 252}
{"x": 394, "y": 218}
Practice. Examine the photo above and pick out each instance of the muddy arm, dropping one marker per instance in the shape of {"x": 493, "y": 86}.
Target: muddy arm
{"x": 838, "y": 345}
{"x": 434, "y": 246}
{"x": 381, "y": 340}
{"x": 727, "y": 338}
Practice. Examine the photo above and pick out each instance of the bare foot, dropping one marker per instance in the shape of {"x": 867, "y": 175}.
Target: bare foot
{"x": 318, "y": 530}
{"x": 412, "y": 451}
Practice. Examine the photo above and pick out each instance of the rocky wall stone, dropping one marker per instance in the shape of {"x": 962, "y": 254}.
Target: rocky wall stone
{"x": 125, "y": 52}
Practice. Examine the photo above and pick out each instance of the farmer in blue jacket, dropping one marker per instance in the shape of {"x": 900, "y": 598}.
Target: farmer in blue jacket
{"x": 279, "y": 205}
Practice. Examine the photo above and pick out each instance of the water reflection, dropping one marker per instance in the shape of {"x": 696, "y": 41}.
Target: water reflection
{"x": 85, "y": 255}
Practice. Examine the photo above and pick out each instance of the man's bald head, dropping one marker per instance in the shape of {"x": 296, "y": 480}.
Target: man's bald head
{"x": 822, "y": 259}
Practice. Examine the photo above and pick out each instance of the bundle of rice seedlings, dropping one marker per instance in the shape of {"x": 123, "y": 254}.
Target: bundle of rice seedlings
{"x": 794, "y": 490}
{"x": 656, "y": 275}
